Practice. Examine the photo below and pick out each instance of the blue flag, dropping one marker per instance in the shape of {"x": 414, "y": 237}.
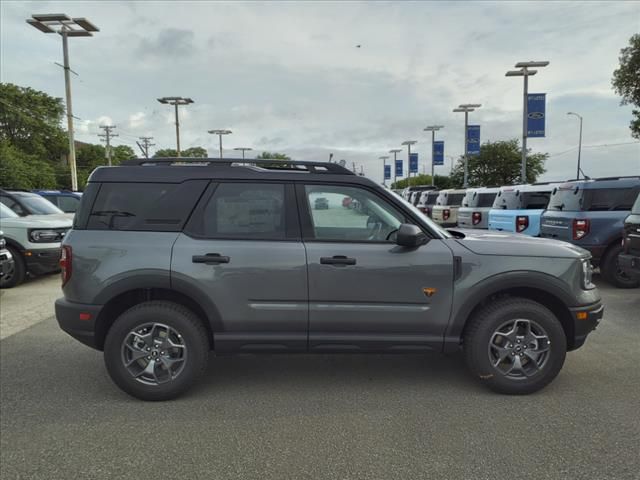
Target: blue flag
{"x": 438, "y": 152}
{"x": 536, "y": 114}
{"x": 413, "y": 163}
{"x": 473, "y": 139}
{"x": 387, "y": 172}
{"x": 398, "y": 168}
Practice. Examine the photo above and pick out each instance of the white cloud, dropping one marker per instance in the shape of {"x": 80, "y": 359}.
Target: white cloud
{"x": 137, "y": 120}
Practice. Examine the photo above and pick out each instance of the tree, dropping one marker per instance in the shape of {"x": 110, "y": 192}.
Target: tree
{"x": 30, "y": 121}
{"x": 22, "y": 170}
{"x": 499, "y": 164}
{"x": 440, "y": 181}
{"x": 626, "y": 81}
{"x": 273, "y": 155}
{"x": 193, "y": 152}
{"x": 121, "y": 153}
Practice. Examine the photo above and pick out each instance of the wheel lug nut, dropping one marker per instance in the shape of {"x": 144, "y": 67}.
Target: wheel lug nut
{"x": 148, "y": 358}
{"x": 513, "y": 353}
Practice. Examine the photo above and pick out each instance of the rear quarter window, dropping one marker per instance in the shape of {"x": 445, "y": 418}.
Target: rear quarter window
{"x": 161, "y": 207}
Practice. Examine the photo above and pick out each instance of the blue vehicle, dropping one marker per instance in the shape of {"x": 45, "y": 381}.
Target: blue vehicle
{"x": 65, "y": 200}
{"x": 590, "y": 214}
{"x": 518, "y": 208}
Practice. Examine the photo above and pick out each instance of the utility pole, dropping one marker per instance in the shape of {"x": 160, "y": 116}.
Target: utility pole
{"x": 395, "y": 152}
{"x": 66, "y": 27}
{"x": 526, "y": 73}
{"x": 433, "y": 129}
{"x": 579, "y": 142}
{"x": 175, "y": 101}
{"x": 144, "y": 147}
{"x": 408, "y": 143}
{"x": 466, "y": 108}
{"x": 107, "y": 135}
{"x": 384, "y": 159}
{"x": 220, "y": 133}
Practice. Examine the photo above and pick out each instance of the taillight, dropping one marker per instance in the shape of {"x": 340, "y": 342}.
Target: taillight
{"x": 476, "y": 217}
{"x": 522, "y": 222}
{"x": 422, "y": 209}
{"x": 580, "y": 228}
{"x": 65, "y": 264}
{"x": 445, "y": 214}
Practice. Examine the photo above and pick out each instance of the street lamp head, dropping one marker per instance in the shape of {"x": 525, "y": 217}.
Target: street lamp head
{"x": 175, "y": 100}
{"x": 470, "y": 105}
{"x": 384, "y": 157}
{"x": 243, "y": 149}
{"x": 409, "y": 142}
{"x": 433, "y": 128}
{"x": 220, "y": 132}
{"x": 63, "y": 24}
{"x": 520, "y": 73}
{"x": 574, "y": 113}
{"x": 543, "y": 63}
{"x": 395, "y": 150}
{"x": 51, "y": 17}
{"x": 86, "y": 24}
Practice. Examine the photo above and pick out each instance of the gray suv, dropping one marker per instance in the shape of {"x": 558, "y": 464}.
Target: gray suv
{"x": 167, "y": 261}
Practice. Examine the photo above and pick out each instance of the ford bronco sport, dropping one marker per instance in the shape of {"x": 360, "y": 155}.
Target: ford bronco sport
{"x": 171, "y": 258}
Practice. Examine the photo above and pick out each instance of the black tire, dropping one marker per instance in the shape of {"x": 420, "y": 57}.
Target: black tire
{"x": 611, "y": 271}
{"x": 481, "y": 330}
{"x": 183, "y": 321}
{"x": 17, "y": 275}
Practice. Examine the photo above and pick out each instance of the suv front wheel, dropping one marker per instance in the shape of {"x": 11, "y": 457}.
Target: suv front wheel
{"x": 156, "y": 350}
{"x": 515, "y": 345}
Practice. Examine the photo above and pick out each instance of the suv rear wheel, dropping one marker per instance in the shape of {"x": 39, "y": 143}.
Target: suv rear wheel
{"x": 515, "y": 345}
{"x": 156, "y": 350}
{"x": 611, "y": 271}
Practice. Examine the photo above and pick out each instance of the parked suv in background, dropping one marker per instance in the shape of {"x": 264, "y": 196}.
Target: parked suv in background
{"x": 476, "y": 204}
{"x": 167, "y": 261}
{"x": 34, "y": 243}
{"x": 519, "y": 208}
{"x": 25, "y": 203}
{"x": 427, "y": 201}
{"x": 445, "y": 211}
{"x": 591, "y": 213}
{"x": 412, "y": 194}
{"x": 629, "y": 259}
{"x": 65, "y": 200}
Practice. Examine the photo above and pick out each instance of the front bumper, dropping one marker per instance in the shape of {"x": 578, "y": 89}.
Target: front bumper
{"x": 81, "y": 327}
{"x": 630, "y": 265}
{"x": 42, "y": 261}
{"x": 585, "y": 320}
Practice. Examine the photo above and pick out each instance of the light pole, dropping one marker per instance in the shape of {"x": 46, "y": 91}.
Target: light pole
{"x": 220, "y": 133}
{"x": 384, "y": 159}
{"x": 526, "y": 73}
{"x": 395, "y": 152}
{"x": 466, "y": 108}
{"x": 243, "y": 149}
{"x": 433, "y": 129}
{"x": 579, "y": 143}
{"x": 66, "y": 27}
{"x": 175, "y": 101}
{"x": 408, "y": 143}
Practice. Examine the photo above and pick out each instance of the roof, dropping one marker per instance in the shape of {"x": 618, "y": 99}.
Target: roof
{"x": 605, "y": 182}
{"x": 176, "y": 170}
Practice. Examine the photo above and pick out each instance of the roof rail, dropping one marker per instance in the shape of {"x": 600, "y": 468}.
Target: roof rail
{"x": 622, "y": 177}
{"x": 267, "y": 164}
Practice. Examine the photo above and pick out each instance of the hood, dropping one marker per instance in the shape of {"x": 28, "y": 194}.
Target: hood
{"x": 485, "y": 242}
{"x": 38, "y": 221}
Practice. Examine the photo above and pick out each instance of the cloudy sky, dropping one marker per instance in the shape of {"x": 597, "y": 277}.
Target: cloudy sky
{"x": 287, "y": 76}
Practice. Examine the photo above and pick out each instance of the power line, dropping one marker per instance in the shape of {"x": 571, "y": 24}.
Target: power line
{"x": 107, "y": 135}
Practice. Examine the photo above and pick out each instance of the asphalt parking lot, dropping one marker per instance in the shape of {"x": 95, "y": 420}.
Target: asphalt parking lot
{"x": 342, "y": 417}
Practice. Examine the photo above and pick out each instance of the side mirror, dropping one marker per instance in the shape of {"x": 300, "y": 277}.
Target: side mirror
{"x": 410, "y": 236}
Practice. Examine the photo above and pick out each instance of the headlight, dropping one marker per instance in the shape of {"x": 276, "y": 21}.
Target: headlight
{"x": 47, "y": 235}
{"x": 3, "y": 243}
{"x": 587, "y": 273}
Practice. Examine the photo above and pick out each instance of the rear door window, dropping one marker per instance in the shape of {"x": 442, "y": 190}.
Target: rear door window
{"x": 144, "y": 206}
{"x": 612, "y": 199}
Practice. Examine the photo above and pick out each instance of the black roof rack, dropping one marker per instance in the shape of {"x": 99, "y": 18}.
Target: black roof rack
{"x": 622, "y": 177}
{"x": 266, "y": 164}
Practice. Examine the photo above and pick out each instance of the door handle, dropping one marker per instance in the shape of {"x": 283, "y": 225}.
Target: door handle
{"x": 337, "y": 260}
{"x": 210, "y": 259}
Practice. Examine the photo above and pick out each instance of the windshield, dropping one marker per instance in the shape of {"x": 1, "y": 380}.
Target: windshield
{"x": 36, "y": 205}
{"x": 567, "y": 199}
{"x": 636, "y": 206}
{"x": 6, "y": 212}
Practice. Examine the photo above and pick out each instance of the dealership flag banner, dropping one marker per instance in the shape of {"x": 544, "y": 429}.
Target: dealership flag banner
{"x": 387, "y": 172}
{"x": 536, "y": 114}
{"x": 398, "y": 168}
{"x": 438, "y": 153}
{"x": 473, "y": 139}
{"x": 413, "y": 163}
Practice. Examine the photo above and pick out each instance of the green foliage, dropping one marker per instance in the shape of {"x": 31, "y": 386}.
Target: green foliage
{"x": 22, "y": 170}
{"x": 498, "y": 164}
{"x": 120, "y": 153}
{"x": 193, "y": 152}
{"x": 626, "y": 80}
{"x": 273, "y": 155}
{"x": 440, "y": 181}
